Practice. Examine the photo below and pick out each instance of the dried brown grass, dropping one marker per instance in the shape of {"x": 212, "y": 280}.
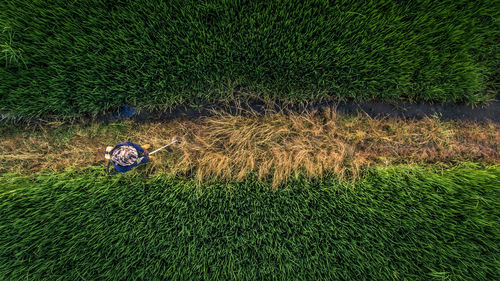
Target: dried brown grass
{"x": 275, "y": 146}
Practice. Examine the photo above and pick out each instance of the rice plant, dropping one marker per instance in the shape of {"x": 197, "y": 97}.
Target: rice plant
{"x": 402, "y": 223}
{"x": 93, "y": 56}
{"x": 13, "y": 56}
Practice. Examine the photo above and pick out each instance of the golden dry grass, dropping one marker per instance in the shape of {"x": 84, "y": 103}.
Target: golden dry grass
{"x": 275, "y": 146}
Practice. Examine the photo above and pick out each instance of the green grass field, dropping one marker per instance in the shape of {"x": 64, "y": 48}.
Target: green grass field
{"x": 72, "y": 58}
{"x": 396, "y": 224}
{"x": 320, "y": 197}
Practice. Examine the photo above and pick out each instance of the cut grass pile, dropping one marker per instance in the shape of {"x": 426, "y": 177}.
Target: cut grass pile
{"x": 278, "y": 146}
{"x": 68, "y": 58}
{"x": 404, "y": 223}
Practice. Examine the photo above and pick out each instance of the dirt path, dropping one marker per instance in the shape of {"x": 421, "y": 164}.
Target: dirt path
{"x": 378, "y": 110}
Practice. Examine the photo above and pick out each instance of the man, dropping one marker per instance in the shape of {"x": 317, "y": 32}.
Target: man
{"x": 127, "y": 155}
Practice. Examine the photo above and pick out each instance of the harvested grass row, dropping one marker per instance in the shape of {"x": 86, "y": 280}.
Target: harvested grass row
{"x": 397, "y": 224}
{"x": 275, "y": 146}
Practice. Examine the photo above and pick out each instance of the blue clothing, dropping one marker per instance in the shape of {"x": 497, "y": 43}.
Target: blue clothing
{"x": 140, "y": 152}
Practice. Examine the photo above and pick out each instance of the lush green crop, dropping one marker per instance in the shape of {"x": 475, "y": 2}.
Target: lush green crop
{"x": 75, "y": 57}
{"x": 402, "y": 223}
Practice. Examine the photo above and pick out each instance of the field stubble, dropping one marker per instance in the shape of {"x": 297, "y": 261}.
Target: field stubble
{"x": 275, "y": 146}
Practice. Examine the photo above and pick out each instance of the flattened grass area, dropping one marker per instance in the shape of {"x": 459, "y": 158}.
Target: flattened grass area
{"x": 68, "y": 58}
{"x": 228, "y": 147}
{"x": 397, "y": 223}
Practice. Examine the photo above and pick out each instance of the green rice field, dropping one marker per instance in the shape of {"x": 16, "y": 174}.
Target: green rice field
{"x": 400, "y": 223}
{"x": 70, "y": 59}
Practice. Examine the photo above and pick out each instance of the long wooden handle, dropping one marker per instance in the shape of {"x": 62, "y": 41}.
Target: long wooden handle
{"x": 174, "y": 141}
